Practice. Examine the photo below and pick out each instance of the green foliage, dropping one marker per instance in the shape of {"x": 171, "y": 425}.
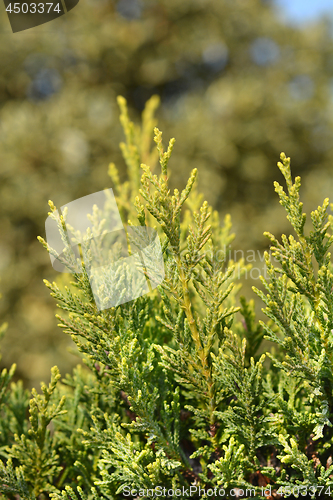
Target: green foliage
{"x": 300, "y": 301}
{"x": 176, "y": 391}
{"x": 236, "y": 85}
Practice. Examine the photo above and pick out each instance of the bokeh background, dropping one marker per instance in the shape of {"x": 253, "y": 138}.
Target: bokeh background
{"x": 239, "y": 80}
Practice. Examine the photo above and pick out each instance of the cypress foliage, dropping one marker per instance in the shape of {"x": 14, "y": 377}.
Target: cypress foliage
{"x": 176, "y": 392}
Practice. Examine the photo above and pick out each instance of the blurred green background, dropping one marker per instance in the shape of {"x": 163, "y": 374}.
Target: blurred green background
{"x": 239, "y": 82}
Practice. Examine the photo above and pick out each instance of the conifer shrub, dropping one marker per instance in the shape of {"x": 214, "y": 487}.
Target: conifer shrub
{"x": 232, "y": 96}
{"x": 176, "y": 398}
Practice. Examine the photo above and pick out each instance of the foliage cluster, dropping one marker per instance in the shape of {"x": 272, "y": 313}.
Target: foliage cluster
{"x": 176, "y": 391}
{"x": 236, "y": 84}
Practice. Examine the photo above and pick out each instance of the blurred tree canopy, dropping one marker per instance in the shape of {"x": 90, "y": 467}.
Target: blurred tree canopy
{"x": 237, "y": 86}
